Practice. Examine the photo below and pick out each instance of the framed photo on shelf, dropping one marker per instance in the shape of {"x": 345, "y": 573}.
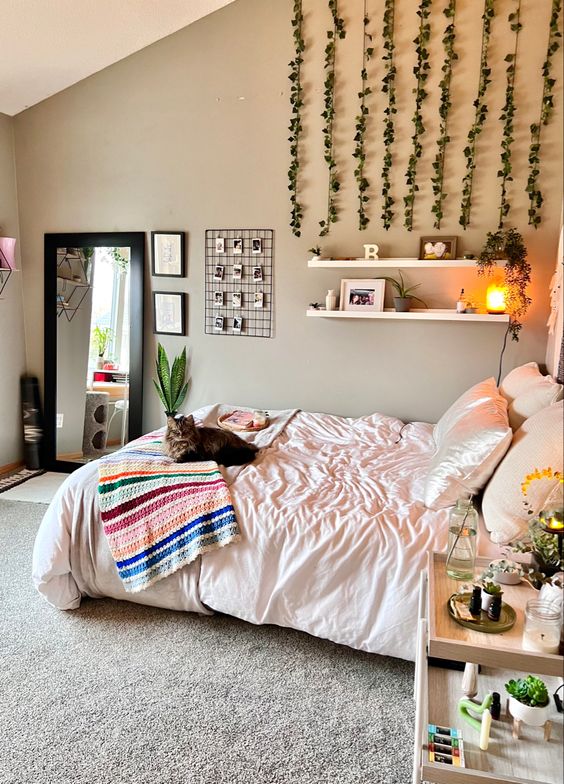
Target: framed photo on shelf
{"x": 169, "y": 313}
{"x": 437, "y": 248}
{"x": 167, "y": 254}
{"x": 362, "y": 295}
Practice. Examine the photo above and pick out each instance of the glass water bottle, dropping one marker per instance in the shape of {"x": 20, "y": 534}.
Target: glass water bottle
{"x": 462, "y": 533}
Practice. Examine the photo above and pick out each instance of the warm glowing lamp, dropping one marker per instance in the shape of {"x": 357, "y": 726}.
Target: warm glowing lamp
{"x": 495, "y": 298}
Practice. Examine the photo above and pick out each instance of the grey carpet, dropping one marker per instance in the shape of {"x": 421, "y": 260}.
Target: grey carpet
{"x": 116, "y": 693}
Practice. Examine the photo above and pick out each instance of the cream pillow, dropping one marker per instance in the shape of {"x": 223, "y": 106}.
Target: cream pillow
{"x": 528, "y": 391}
{"x": 537, "y": 444}
{"x": 471, "y": 439}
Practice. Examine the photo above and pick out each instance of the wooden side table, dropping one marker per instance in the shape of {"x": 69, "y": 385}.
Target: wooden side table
{"x": 527, "y": 760}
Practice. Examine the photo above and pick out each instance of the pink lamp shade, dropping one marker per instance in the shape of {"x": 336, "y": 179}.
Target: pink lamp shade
{"x": 7, "y": 253}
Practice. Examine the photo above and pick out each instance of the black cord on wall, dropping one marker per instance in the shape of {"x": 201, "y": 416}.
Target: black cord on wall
{"x": 502, "y": 353}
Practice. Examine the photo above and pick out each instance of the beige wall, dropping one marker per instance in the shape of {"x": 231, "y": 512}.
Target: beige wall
{"x": 12, "y": 346}
{"x": 191, "y": 134}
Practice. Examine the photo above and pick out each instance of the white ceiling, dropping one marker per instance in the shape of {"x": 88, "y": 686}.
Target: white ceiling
{"x": 47, "y": 45}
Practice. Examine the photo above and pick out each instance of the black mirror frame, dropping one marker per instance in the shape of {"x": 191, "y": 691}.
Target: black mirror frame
{"x": 134, "y": 240}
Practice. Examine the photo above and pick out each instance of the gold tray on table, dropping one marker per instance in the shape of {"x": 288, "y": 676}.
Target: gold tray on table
{"x": 483, "y": 623}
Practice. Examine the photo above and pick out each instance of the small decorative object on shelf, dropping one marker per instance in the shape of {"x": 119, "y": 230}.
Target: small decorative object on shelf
{"x": 495, "y": 707}
{"x": 461, "y": 303}
{"x": 503, "y": 572}
{"x": 529, "y": 704}
{"x": 331, "y": 300}
{"x": 445, "y": 745}
{"x": 542, "y": 627}
{"x": 489, "y": 591}
{"x": 404, "y": 298}
{"x": 483, "y": 725}
{"x": 371, "y": 251}
{"x": 494, "y": 610}
{"x": 495, "y": 298}
{"x": 437, "y": 248}
{"x": 475, "y": 605}
{"x": 461, "y": 548}
{"x": 316, "y": 251}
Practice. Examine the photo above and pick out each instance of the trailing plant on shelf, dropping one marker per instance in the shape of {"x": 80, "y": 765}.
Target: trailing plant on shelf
{"x": 508, "y": 245}
{"x": 481, "y": 111}
{"x": 361, "y": 122}
{"x": 328, "y": 114}
{"x": 389, "y": 88}
{"x": 546, "y": 109}
{"x": 402, "y": 302}
{"x": 445, "y": 104}
{"x": 507, "y": 115}
{"x": 171, "y": 385}
{"x": 295, "y": 127}
{"x": 421, "y": 72}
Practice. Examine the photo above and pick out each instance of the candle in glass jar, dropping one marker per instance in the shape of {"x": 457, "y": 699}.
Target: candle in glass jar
{"x": 542, "y": 627}
{"x": 538, "y": 640}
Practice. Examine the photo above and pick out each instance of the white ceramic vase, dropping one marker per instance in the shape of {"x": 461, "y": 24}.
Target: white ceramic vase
{"x": 533, "y": 717}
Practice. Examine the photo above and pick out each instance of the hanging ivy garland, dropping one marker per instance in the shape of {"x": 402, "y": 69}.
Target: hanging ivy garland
{"x": 479, "y": 116}
{"x": 445, "y": 104}
{"x": 295, "y": 127}
{"x": 360, "y": 127}
{"x": 547, "y": 107}
{"x": 328, "y": 115}
{"x": 389, "y": 88}
{"x": 507, "y": 115}
{"x": 421, "y": 72}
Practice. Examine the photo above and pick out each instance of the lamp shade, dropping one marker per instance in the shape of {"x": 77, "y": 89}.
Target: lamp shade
{"x": 495, "y": 298}
{"x": 7, "y": 253}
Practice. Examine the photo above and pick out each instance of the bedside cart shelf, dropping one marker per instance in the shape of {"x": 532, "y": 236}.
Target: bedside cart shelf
{"x": 427, "y": 314}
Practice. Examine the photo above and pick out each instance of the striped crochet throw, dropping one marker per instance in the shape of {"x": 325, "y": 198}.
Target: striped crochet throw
{"x": 159, "y": 515}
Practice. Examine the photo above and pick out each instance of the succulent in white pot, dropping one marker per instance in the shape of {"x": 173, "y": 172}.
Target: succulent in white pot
{"x": 489, "y": 590}
{"x": 528, "y": 700}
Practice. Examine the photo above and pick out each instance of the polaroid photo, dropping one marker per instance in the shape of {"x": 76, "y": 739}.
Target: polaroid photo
{"x": 236, "y": 299}
{"x": 220, "y": 244}
{"x": 237, "y": 324}
{"x": 218, "y": 299}
{"x": 218, "y": 274}
{"x": 237, "y": 246}
{"x": 237, "y": 271}
{"x": 259, "y": 299}
{"x": 257, "y": 274}
{"x": 218, "y": 324}
{"x": 256, "y": 245}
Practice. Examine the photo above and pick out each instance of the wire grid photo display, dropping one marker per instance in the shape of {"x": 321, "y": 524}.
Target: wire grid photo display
{"x": 239, "y": 282}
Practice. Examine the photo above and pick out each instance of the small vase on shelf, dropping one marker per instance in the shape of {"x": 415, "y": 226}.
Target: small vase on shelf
{"x": 331, "y": 300}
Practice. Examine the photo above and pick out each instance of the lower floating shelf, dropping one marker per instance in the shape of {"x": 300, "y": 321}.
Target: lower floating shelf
{"x": 427, "y": 314}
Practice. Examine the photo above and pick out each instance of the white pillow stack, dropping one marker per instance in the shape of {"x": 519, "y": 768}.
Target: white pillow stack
{"x": 471, "y": 438}
{"x": 527, "y": 391}
{"x": 537, "y": 444}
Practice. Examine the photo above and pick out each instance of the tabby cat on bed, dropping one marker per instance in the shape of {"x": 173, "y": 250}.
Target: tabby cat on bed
{"x": 186, "y": 443}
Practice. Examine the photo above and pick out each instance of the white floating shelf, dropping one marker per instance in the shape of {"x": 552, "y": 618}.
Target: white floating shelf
{"x": 427, "y": 314}
{"x": 389, "y": 263}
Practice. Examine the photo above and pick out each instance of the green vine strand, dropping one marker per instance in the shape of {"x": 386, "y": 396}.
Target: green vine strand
{"x": 479, "y": 116}
{"x": 328, "y": 115}
{"x": 506, "y": 117}
{"x": 361, "y": 122}
{"x": 389, "y": 88}
{"x": 421, "y": 72}
{"x": 295, "y": 127}
{"x": 445, "y": 104}
{"x": 547, "y": 107}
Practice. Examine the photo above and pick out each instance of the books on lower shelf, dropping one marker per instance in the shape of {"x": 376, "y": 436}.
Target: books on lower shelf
{"x": 446, "y": 746}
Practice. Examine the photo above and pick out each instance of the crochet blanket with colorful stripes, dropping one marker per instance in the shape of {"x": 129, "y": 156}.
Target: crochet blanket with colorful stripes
{"x": 159, "y": 515}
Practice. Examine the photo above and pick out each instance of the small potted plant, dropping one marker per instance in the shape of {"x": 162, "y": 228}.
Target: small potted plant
{"x": 504, "y": 572}
{"x": 489, "y": 590}
{"x": 101, "y": 337}
{"x": 528, "y": 700}
{"x": 316, "y": 251}
{"x": 403, "y": 300}
{"x": 171, "y": 384}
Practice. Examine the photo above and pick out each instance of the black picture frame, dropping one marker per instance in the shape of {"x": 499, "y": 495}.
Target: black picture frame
{"x": 156, "y": 270}
{"x": 136, "y": 242}
{"x": 182, "y": 320}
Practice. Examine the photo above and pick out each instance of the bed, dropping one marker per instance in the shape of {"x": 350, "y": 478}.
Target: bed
{"x": 334, "y": 533}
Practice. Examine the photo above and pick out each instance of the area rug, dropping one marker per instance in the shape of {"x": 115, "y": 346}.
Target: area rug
{"x": 13, "y": 480}
{"x": 118, "y": 693}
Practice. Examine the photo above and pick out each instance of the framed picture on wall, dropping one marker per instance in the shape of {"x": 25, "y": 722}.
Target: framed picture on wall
{"x": 169, "y": 313}
{"x": 167, "y": 254}
{"x": 362, "y": 295}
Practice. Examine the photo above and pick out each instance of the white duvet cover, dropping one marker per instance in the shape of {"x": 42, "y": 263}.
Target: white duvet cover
{"x": 333, "y": 537}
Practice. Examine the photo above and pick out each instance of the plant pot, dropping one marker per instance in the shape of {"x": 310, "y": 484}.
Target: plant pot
{"x": 533, "y": 717}
{"x": 402, "y": 304}
{"x": 486, "y": 601}
{"x": 100, "y": 363}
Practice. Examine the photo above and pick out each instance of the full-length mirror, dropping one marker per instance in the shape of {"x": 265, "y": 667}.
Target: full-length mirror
{"x": 93, "y": 344}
